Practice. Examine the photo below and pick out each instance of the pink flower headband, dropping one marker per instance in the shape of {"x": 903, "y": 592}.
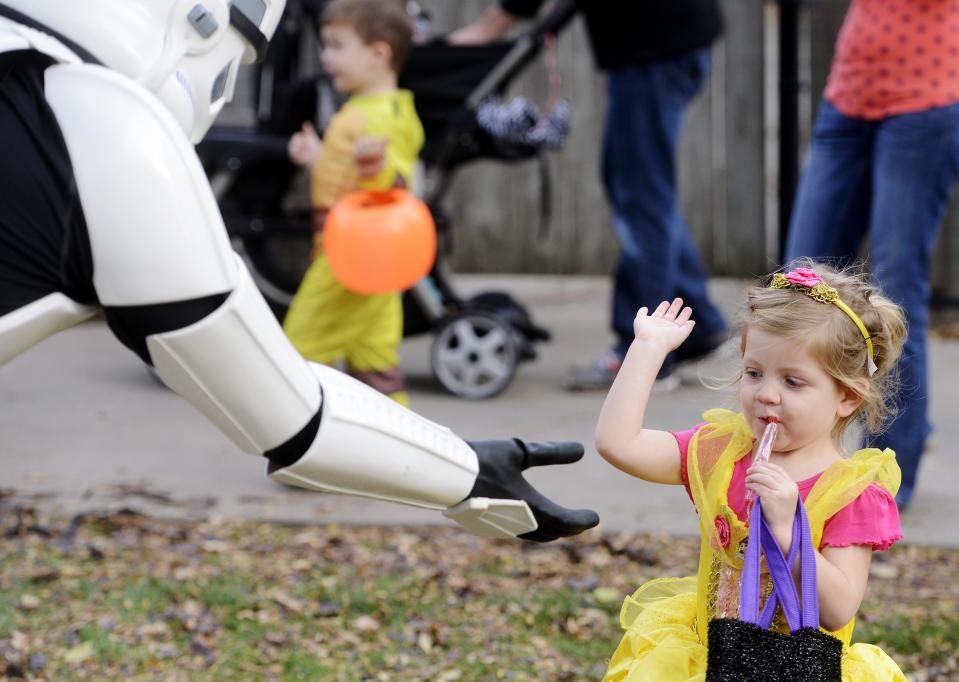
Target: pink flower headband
{"x": 810, "y": 283}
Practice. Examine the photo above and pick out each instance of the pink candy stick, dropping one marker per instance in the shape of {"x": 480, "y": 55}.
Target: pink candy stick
{"x": 764, "y": 449}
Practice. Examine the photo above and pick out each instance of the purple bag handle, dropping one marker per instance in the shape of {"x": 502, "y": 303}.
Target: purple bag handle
{"x": 791, "y": 607}
{"x": 784, "y": 588}
{"x": 749, "y": 587}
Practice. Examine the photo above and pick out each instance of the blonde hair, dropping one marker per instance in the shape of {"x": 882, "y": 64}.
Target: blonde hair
{"x": 836, "y": 341}
{"x": 375, "y": 21}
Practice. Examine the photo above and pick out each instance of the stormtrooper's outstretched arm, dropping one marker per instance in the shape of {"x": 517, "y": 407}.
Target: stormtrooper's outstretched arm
{"x": 174, "y": 292}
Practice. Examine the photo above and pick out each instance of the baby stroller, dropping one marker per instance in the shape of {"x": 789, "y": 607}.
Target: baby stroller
{"x": 478, "y": 342}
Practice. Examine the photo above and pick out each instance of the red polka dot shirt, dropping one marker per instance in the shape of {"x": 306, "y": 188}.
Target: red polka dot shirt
{"x": 896, "y": 57}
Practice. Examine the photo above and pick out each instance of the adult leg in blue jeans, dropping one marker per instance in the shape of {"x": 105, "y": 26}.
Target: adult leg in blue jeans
{"x": 915, "y": 165}
{"x": 659, "y": 261}
{"x": 830, "y": 216}
{"x": 892, "y": 179}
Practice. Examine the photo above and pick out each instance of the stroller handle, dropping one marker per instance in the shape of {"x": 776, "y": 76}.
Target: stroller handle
{"x": 554, "y": 20}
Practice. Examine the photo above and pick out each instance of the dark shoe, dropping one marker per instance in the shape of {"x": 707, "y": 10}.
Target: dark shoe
{"x": 600, "y": 375}
{"x": 596, "y": 376}
{"x": 691, "y": 351}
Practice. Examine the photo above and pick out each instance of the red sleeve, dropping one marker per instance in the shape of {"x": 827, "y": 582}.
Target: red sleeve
{"x": 682, "y": 439}
{"x": 871, "y": 519}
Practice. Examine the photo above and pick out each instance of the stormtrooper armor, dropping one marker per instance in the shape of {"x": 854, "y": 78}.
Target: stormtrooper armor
{"x": 121, "y": 88}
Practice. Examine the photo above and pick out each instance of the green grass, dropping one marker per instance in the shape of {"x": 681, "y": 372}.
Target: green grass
{"x": 140, "y": 598}
{"x": 6, "y": 616}
{"x": 284, "y": 603}
{"x": 226, "y": 593}
{"x": 301, "y": 666}
{"x": 106, "y": 647}
{"x": 935, "y": 638}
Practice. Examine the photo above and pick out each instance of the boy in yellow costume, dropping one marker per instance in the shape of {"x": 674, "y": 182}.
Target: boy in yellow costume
{"x": 818, "y": 348}
{"x": 364, "y": 44}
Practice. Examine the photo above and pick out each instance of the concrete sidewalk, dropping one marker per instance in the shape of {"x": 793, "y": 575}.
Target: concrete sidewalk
{"x": 83, "y": 426}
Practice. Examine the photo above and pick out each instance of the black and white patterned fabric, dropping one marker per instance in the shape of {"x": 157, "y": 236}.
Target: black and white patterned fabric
{"x": 519, "y": 121}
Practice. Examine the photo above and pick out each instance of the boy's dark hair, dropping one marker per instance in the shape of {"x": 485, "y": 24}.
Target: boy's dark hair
{"x": 375, "y": 21}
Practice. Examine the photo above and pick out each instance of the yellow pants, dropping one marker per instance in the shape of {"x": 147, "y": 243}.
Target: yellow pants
{"x": 328, "y": 323}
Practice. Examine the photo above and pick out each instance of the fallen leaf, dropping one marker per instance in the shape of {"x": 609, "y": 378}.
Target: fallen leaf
{"x": 28, "y": 602}
{"x": 38, "y": 662}
{"x": 424, "y": 642}
{"x": 287, "y": 601}
{"x": 366, "y": 624}
{"x": 607, "y": 595}
{"x": 157, "y": 629}
{"x": 19, "y": 641}
{"x": 79, "y": 653}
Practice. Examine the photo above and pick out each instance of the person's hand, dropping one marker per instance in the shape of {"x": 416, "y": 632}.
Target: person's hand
{"x": 370, "y": 155}
{"x": 779, "y": 494}
{"x": 501, "y": 463}
{"x": 489, "y": 27}
{"x": 667, "y": 327}
{"x": 304, "y": 145}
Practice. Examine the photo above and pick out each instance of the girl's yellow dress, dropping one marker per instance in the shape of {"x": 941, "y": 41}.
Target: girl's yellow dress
{"x": 665, "y": 620}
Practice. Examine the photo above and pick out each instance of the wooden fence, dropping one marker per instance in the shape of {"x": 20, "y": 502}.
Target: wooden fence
{"x": 728, "y": 160}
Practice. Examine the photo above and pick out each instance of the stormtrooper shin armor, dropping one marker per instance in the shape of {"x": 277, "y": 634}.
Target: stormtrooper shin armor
{"x": 164, "y": 273}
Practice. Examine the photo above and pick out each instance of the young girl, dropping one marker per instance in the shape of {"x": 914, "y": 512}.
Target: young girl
{"x": 818, "y": 349}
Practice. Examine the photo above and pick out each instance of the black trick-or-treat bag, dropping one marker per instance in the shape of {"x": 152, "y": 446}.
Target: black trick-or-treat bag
{"x": 745, "y": 649}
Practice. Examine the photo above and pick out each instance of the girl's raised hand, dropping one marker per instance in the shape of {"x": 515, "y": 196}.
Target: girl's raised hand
{"x": 667, "y": 327}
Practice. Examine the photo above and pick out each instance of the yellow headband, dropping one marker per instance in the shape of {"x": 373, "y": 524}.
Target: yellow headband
{"x": 811, "y": 284}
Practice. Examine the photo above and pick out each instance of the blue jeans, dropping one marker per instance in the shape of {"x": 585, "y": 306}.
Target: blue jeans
{"x": 889, "y": 180}
{"x": 659, "y": 260}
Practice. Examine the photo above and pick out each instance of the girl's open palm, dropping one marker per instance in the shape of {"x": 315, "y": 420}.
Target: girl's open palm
{"x": 667, "y": 327}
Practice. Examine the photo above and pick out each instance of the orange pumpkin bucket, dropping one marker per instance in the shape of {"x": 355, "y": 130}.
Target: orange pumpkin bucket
{"x": 378, "y": 242}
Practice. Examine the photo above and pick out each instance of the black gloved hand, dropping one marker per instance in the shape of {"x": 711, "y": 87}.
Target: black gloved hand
{"x": 501, "y": 463}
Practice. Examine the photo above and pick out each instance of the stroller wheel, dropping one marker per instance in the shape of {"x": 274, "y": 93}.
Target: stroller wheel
{"x": 474, "y": 355}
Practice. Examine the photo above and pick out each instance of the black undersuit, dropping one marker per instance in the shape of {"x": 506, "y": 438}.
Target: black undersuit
{"x": 44, "y": 245}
